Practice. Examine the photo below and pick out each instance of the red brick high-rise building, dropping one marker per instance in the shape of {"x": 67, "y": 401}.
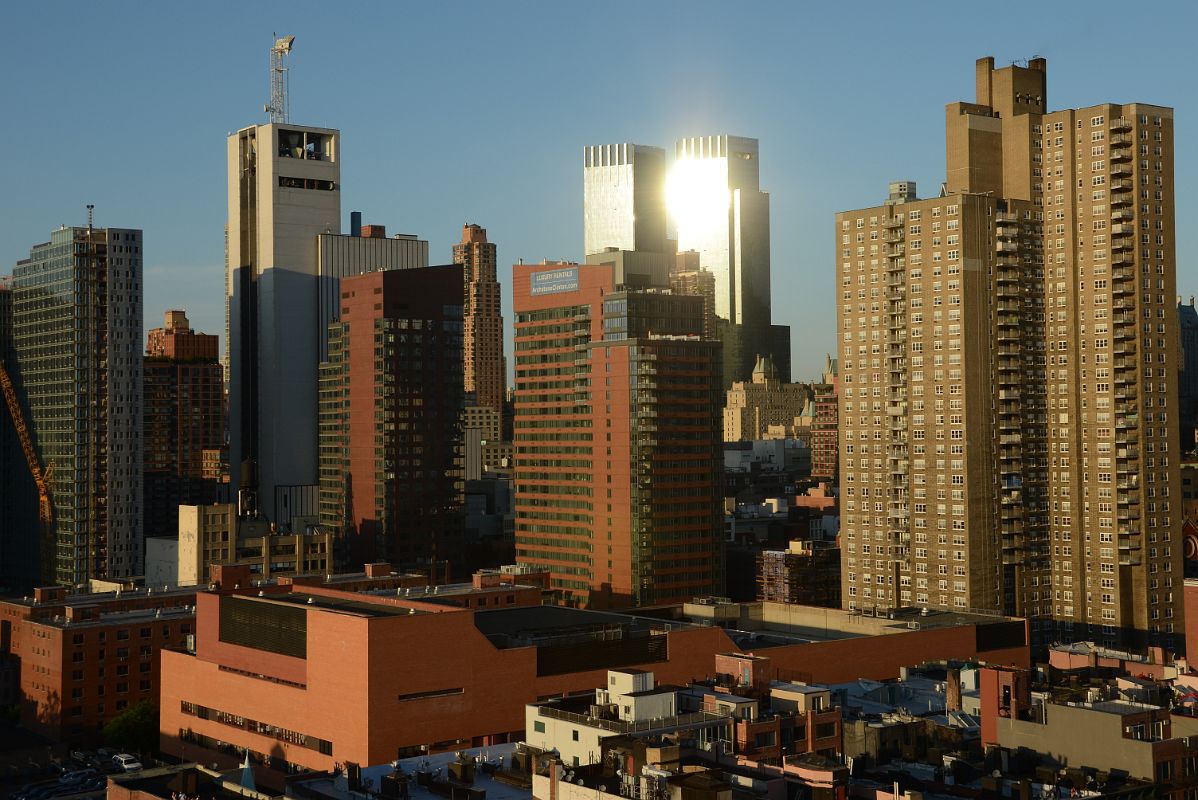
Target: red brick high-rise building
{"x": 183, "y": 396}
{"x": 390, "y": 406}
{"x": 618, "y": 454}
{"x": 825, "y": 433}
{"x": 482, "y": 339}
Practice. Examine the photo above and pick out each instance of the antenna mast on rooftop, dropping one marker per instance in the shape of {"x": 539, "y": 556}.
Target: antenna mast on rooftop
{"x": 277, "y": 108}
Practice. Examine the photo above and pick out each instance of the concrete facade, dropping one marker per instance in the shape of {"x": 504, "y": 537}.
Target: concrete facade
{"x": 284, "y": 185}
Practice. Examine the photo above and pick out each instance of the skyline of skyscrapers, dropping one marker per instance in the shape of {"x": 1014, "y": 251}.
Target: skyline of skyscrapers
{"x": 710, "y": 199}
{"x": 1009, "y": 364}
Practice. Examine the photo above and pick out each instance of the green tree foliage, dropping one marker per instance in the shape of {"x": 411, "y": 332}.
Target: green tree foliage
{"x": 134, "y": 730}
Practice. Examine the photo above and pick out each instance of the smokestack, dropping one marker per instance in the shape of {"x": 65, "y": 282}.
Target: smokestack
{"x": 355, "y": 223}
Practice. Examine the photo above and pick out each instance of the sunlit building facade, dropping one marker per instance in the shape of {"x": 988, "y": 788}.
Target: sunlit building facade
{"x": 1009, "y": 364}
{"x": 624, "y": 198}
{"x": 715, "y": 199}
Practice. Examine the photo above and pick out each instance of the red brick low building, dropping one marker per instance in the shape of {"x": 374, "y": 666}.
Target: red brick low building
{"x": 309, "y": 676}
{"x": 85, "y": 658}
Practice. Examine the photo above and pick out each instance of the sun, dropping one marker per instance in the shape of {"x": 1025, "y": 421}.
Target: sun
{"x": 697, "y": 195}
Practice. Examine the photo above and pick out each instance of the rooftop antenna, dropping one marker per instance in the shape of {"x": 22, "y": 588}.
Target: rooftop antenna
{"x": 90, "y": 210}
{"x": 277, "y": 108}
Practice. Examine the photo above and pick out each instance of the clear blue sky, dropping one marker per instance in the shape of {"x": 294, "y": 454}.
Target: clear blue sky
{"x": 478, "y": 112}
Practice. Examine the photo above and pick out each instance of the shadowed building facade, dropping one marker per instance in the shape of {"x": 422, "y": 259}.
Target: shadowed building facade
{"x": 183, "y": 390}
{"x": 391, "y": 403}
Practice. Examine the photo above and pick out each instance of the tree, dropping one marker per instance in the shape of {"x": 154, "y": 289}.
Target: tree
{"x": 134, "y": 730}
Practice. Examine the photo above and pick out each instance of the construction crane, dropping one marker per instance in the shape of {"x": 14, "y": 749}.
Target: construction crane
{"x": 45, "y": 508}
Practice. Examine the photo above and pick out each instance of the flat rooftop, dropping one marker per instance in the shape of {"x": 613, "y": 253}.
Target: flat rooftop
{"x": 123, "y": 617}
{"x": 532, "y": 625}
{"x": 446, "y": 591}
{"x": 100, "y": 598}
{"x": 334, "y": 787}
{"x": 341, "y": 605}
{"x": 191, "y": 779}
{"x": 760, "y": 624}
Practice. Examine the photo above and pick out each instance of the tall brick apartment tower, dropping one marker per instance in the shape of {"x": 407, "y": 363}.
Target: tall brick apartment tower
{"x": 183, "y": 398}
{"x": 619, "y": 463}
{"x": 1009, "y": 368}
{"x": 482, "y": 338}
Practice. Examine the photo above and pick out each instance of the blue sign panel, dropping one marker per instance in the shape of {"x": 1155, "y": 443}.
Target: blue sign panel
{"x": 555, "y": 281}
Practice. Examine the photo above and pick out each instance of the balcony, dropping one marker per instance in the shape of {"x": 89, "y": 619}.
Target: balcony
{"x": 1121, "y": 124}
{"x": 1123, "y": 258}
{"x": 1005, "y": 247}
{"x": 893, "y": 222}
{"x": 1128, "y": 437}
{"x": 896, "y": 251}
{"x": 1128, "y": 422}
{"x": 1120, "y": 153}
{"x": 1125, "y": 348}
{"x": 1120, "y": 170}
{"x": 1123, "y": 242}
{"x": 1128, "y": 467}
{"x": 1121, "y": 197}
{"x": 1129, "y": 544}
{"x": 1126, "y": 215}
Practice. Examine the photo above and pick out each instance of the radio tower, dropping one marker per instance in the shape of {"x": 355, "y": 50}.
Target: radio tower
{"x": 277, "y": 108}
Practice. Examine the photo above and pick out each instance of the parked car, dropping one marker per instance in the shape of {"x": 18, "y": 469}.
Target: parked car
{"x": 126, "y": 762}
{"x": 77, "y": 776}
{"x": 29, "y": 788}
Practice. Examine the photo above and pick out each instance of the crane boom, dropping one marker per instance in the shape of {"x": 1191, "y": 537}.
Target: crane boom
{"x": 40, "y": 477}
